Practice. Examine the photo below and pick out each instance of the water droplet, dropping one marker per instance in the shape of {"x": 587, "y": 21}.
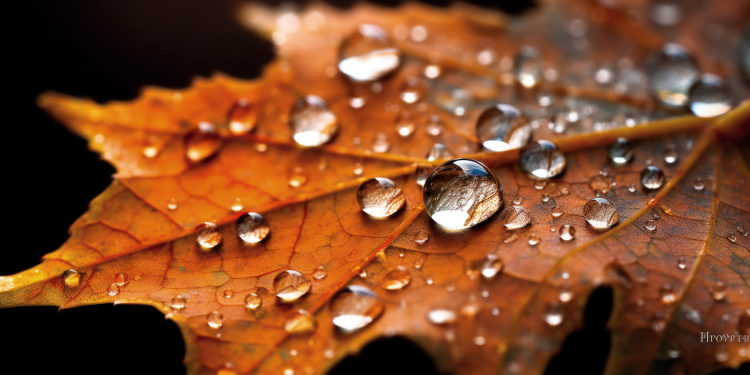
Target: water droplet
{"x": 512, "y": 237}
{"x": 236, "y": 205}
{"x": 380, "y": 144}
{"x": 556, "y": 212}
{"x": 432, "y": 71}
{"x": 421, "y": 237}
{"x": 253, "y": 301}
{"x": 300, "y": 322}
{"x": 434, "y": 126}
{"x": 297, "y": 178}
{"x": 113, "y": 290}
{"x": 741, "y": 230}
{"x": 396, "y": 279}
{"x": 215, "y": 319}
{"x": 566, "y": 295}
{"x": 439, "y": 151}
{"x": 650, "y": 225}
{"x": 517, "y": 199}
{"x": 515, "y": 217}
{"x": 534, "y": 239}
{"x": 242, "y": 117}
{"x": 207, "y": 236}
{"x": 732, "y": 237}
{"x": 202, "y": 142}
{"x": 672, "y": 71}
{"x": 681, "y": 263}
{"x": 667, "y": 294}
{"x": 665, "y": 13}
{"x": 367, "y": 54}
{"x": 71, "y": 278}
{"x": 559, "y": 125}
{"x": 541, "y": 159}
{"x": 261, "y": 147}
{"x": 710, "y": 96}
{"x": 528, "y": 67}
{"x": 121, "y": 279}
{"x": 652, "y": 177}
{"x": 442, "y": 316}
{"x": 480, "y": 340}
{"x": 553, "y": 315}
{"x": 545, "y": 198}
{"x": 380, "y": 197}
{"x": 567, "y": 232}
{"x": 718, "y": 291}
{"x": 228, "y": 293}
{"x": 355, "y": 307}
{"x": 670, "y": 154}
{"x": 357, "y": 102}
{"x": 172, "y": 205}
{"x": 405, "y": 128}
{"x": 320, "y": 273}
{"x": 290, "y": 285}
{"x": 311, "y": 122}
{"x": 564, "y": 191}
{"x": 411, "y": 92}
{"x": 600, "y": 184}
{"x": 621, "y": 151}
{"x": 487, "y": 267}
{"x": 252, "y": 228}
{"x": 178, "y": 303}
{"x": 418, "y": 33}
{"x": 502, "y": 127}
{"x": 600, "y": 213}
{"x": 461, "y": 193}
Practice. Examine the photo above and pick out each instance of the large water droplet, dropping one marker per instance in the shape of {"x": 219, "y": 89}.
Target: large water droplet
{"x": 300, "y": 322}
{"x": 396, "y": 279}
{"x": 672, "y": 71}
{"x": 421, "y": 237}
{"x": 515, "y": 217}
{"x": 71, "y": 278}
{"x": 178, "y": 303}
{"x": 710, "y": 96}
{"x": 652, "y": 177}
{"x": 528, "y": 67}
{"x": 442, "y": 316}
{"x": 290, "y": 285}
{"x": 368, "y": 54}
{"x": 207, "y": 236}
{"x": 320, "y": 273}
{"x": 355, "y": 307}
{"x": 502, "y": 127}
{"x": 600, "y": 213}
{"x": 541, "y": 159}
{"x": 380, "y": 197}
{"x": 242, "y": 117}
{"x": 621, "y": 152}
{"x": 461, "y": 193}
{"x": 252, "y": 228}
{"x": 567, "y": 232}
{"x": 311, "y": 122}
{"x": 215, "y": 319}
{"x": 202, "y": 142}
{"x": 253, "y": 301}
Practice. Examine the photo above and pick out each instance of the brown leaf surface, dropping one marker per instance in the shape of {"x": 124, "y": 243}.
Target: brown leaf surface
{"x": 136, "y": 243}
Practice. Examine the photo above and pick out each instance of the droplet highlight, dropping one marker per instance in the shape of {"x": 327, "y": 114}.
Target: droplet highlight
{"x": 207, "y": 236}
{"x": 311, "y": 122}
{"x": 355, "y": 307}
{"x": 380, "y": 197}
{"x": 600, "y": 213}
{"x": 291, "y": 285}
{"x": 541, "y": 159}
{"x": 252, "y": 227}
{"x": 652, "y": 177}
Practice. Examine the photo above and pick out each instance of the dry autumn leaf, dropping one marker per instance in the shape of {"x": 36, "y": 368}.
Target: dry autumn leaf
{"x": 317, "y": 278}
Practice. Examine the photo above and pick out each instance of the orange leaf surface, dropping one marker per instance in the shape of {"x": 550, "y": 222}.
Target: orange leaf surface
{"x": 506, "y": 299}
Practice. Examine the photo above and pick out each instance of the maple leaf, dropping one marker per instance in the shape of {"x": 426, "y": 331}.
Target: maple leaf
{"x": 487, "y": 298}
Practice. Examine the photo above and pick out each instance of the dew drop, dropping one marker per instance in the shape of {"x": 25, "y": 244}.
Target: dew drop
{"x": 567, "y": 232}
{"x": 178, "y": 303}
{"x": 556, "y": 212}
{"x": 566, "y": 295}
{"x": 434, "y": 127}
{"x": 410, "y": 91}
{"x": 741, "y": 230}
{"x": 528, "y": 67}
{"x": 672, "y": 71}
{"x": 311, "y": 122}
{"x": 357, "y": 102}
{"x": 381, "y": 144}
{"x": 297, "y": 178}
{"x": 650, "y": 225}
{"x": 121, "y": 279}
{"x": 215, "y": 319}
{"x": 442, "y": 316}
{"x": 461, "y": 193}
{"x": 228, "y": 293}
{"x": 534, "y": 239}
{"x": 418, "y": 33}
{"x": 621, "y": 151}
{"x": 667, "y": 294}
{"x": 380, "y": 197}
{"x": 113, "y": 290}
{"x": 732, "y": 237}
{"x": 320, "y": 273}
{"x": 432, "y": 71}
{"x": 354, "y": 307}
{"x": 252, "y": 228}
{"x": 202, "y": 142}
{"x": 253, "y": 301}
{"x": 541, "y": 159}
{"x": 545, "y": 198}
{"x": 722, "y": 355}
{"x": 290, "y": 285}
{"x": 652, "y": 177}
{"x": 300, "y": 322}
{"x": 396, "y": 279}
{"x": 553, "y": 315}
{"x": 515, "y": 217}
{"x": 172, "y": 205}
{"x": 480, "y": 340}
{"x": 502, "y": 127}
{"x": 487, "y": 267}
{"x": 670, "y": 154}
{"x": 600, "y": 213}
{"x": 698, "y": 184}
{"x": 71, "y": 278}
{"x": 242, "y": 117}
{"x": 439, "y": 151}
{"x": 681, "y": 263}
{"x": 710, "y": 96}
{"x": 632, "y": 188}
{"x": 207, "y": 236}
{"x": 405, "y": 128}
{"x": 517, "y": 199}
{"x": 564, "y": 191}
{"x": 367, "y": 54}
{"x": 718, "y": 291}
{"x": 421, "y": 237}
{"x": 237, "y": 205}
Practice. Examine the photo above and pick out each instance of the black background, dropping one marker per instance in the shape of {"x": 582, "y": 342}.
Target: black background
{"x": 107, "y": 50}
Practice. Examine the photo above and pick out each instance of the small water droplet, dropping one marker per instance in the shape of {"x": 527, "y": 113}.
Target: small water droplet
{"x": 560, "y": 123}
{"x": 670, "y": 154}
{"x": 553, "y": 315}
{"x": 442, "y": 316}
{"x": 480, "y": 340}
{"x": 358, "y": 169}
{"x": 300, "y": 322}
{"x": 252, "y": 227}
{"x": 215, "y": 319}
{"x": 297, "y": 178}
{"x": 718, "y": 291}
{"x": 567, "y": 232}
{"x": 439, "y": 151}
{"x": 396, "y": 279}
{"x": 681, "y": 263}
{"x": 665, "y": 13}
{"x": 354, "y": 307}
{"x": 202, "y": 142}
{"x": 672, "y": 71}
{"x": 411, "y": 92}
{"x": 434, "y": 126}
{"x": 564, "y": 191}
{"x": 421, "y": 237}
{"x": 367, "y": 54}
{"x": 698, "y": 184}
{"x": 732, "y": 237}
{"x": 515, "y": 217}
{"x": 566, "y": 295}
{"x": 469, "y": 180}
{"x": 207, "y": 236}
{"x": 357, "y": 102}
{"x": 502, "y": 127}
{"x": 710, "y": 96}
{"x": 541, "y": 159}
{"x": 253, "y": 301}
{"x": 650, "y": 225}
{"x": 228, "y": 293}
{"x": 512, "y": 237}
{"x": 320, "y": 273}
{"x": 261, "y": 147}
{"x": 545, "y": 198}
{"x": 242, "y": 117}
{"x": 418, "y": 33}
{"x": 381, "y": 144}
{"x": 517, "y": 199}
{"x": 178, "y": 303}
{"x": 121, "y": 279}
{"x": 290, "y": 285}
{"x": 172, "y": 205}
{"x": 311, "y": 122}
{"x": 621, "y": 151}
{"x": 600, "y": 213}
{"x": 432, "y": 71}
{"x": 71, "y": 278}
{"x": 652, "y": 177}
{"x": 237, "y": 205}
{"x": 667, "y": 294}
{"x": 528, "y": 67}
{"x": 405, "y": 128}
{"x": 113, "y": 290}
{"x": 534, "y": 239}
{"x": 380, "y": 197}
{"x": 540, "y": 184}
{"x": 487, "y": 267}
{"x": 556, "y": 212}
{"x": 741, "y": 230}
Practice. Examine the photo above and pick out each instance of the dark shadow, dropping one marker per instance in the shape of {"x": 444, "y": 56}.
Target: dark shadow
{"x": 585, "y": 351}
{"x": 744, "y": 369}
{"x": 393, "y": 356}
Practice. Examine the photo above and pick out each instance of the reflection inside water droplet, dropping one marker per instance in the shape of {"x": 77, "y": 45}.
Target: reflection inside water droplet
{"x": 71, "y": 278}
{"x": 600, "y": 213}
{"x": 207, "y": 236}
{"x": 355, "y": 307}
{"x": 502, "y": 127}
{"x": 253, "y": 301}
{"x": 368, "y": 54}
{"x": 652, "y": 177}
{"x": 672, "y": 71}
{"x": 380, "y": 197}
{"x": 621, "y": 152}
{"x": 252, "y": 228}
{"x": 396, "y": 279}
{"x": 215, "y": 319}
{"x": 290, "y": 285}
{"x": 567, "y": 232}
{"x": 541, "y": 159}
{"x": 515, "y": 217}
{"x": 311, "y": 122}
{"x": 710, "y": 96}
